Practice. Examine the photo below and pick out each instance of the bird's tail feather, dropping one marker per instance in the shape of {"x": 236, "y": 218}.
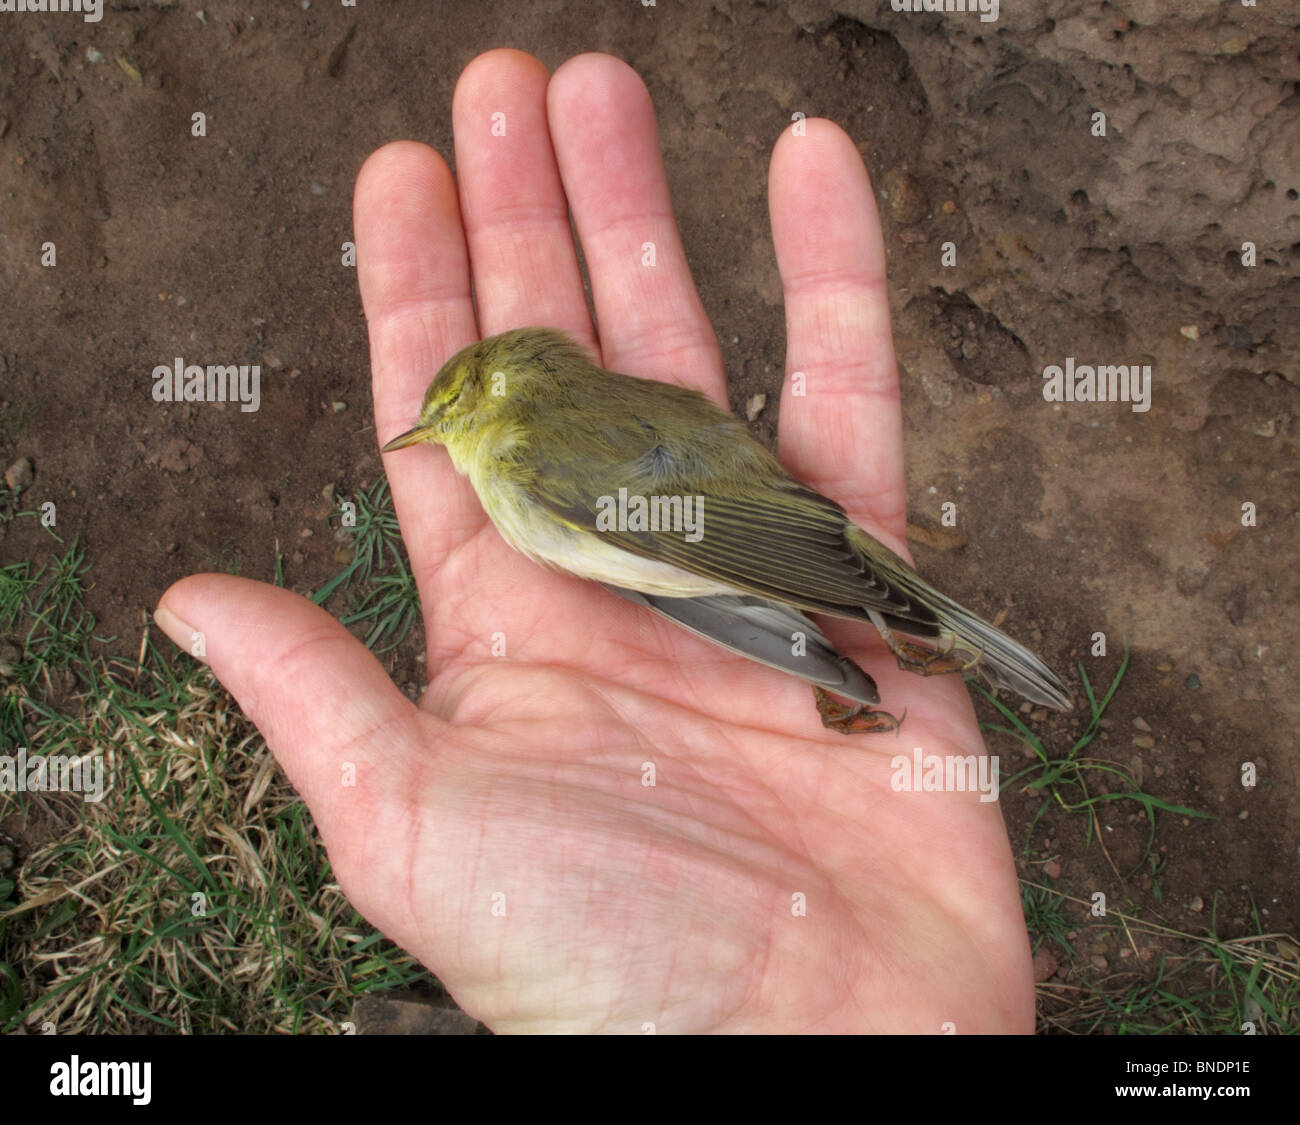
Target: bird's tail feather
{"x": 1003, "y": 662}
{"x": 1006, "y": 663}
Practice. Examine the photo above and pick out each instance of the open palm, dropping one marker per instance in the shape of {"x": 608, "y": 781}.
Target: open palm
{"x": 595, "y": 821}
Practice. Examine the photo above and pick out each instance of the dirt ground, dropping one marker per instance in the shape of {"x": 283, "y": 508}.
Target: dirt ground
{"x": 1080, "y": 519}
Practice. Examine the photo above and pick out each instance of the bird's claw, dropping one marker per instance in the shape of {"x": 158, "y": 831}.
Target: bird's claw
{"x": 852, "y": 718}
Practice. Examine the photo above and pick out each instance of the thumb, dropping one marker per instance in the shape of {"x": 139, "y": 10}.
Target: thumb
{"x": 334, "y": 720}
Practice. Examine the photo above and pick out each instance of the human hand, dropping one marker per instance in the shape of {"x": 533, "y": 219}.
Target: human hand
{"x": 517, "y": 782}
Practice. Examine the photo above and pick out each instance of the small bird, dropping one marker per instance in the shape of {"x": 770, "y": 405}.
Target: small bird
{"x": 670, "y": 502}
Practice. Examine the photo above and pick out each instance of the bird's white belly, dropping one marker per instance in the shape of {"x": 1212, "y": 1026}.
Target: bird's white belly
{"x": 532, "y": 532}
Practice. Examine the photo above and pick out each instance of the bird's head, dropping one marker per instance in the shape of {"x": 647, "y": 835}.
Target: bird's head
{"x": 482, "y": 381}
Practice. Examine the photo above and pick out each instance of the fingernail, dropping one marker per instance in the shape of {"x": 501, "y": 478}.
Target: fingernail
{"x": 184, "y": 634}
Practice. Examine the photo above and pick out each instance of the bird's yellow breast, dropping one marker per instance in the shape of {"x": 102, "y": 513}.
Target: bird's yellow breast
{"x": 536, "y": 532}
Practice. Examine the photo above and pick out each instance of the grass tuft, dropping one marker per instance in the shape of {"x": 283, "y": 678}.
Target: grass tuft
{"x": 384, "y": 595}
{"x": 1064, "y": 780}
{"x": 197, "y": 896}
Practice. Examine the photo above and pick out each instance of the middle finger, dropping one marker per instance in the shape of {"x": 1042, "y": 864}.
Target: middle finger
{"x": 649, "y": 315}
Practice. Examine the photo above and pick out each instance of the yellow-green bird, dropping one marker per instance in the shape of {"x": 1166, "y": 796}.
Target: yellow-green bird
{"x": 652, "y": 490}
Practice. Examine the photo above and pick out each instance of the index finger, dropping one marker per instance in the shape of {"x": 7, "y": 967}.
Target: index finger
{"x": 413, "y": 270}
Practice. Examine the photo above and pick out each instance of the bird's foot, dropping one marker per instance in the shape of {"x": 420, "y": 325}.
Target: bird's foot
{"x": 852, "y": 718}
{"x": 912, "y": 656}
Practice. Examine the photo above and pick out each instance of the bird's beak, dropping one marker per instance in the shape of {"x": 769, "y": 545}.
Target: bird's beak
{"x": 411, "y": 437}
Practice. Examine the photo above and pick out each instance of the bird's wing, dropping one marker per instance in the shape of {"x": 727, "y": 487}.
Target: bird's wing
{"x": 782, "y": 541}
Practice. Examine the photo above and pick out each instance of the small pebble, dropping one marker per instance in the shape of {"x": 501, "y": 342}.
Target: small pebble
{"x": 1193, "y": 682}
{"x": 754, "y": 407}
{"x": 1141, "y": 723}
{"x": 907, "y": 199}
{"x": 1144, "y": 741}
{"x": 19, "y": 475}
{"x": 1045, "y": 965}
